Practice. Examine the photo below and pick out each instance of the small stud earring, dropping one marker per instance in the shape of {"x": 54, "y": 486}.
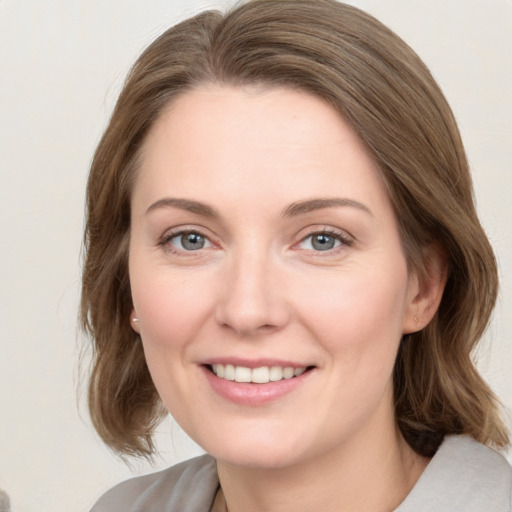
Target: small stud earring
{"x": 135, "y": 319}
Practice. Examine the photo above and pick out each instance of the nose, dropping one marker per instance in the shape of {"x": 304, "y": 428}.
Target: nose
{"x": 253, "y": 299}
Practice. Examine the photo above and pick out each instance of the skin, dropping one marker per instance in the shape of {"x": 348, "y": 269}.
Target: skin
{"x": 259, "y": 288}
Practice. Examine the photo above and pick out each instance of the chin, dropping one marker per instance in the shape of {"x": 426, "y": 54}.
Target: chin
{"x": 257, "y": 457}
{"x": 257, "y": 450}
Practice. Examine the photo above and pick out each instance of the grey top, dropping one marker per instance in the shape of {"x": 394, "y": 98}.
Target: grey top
{"x": 463, "y": 476}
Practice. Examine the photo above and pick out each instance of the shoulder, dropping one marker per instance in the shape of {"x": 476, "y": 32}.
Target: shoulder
{"x": 463, "y": 475}
{"x": 188, "y": 486}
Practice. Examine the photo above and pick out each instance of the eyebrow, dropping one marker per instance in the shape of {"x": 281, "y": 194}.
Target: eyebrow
{"x": 293, "y": 210}
{"x": 184, "y": 204}
{"x": 302, "y": 207}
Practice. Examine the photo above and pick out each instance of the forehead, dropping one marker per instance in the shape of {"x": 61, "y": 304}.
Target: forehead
{"x": 217, "y": 141}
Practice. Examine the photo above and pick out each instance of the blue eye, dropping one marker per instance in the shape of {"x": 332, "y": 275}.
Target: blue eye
{"x": 321, "y": 241}
{"x": 189, "y": 241}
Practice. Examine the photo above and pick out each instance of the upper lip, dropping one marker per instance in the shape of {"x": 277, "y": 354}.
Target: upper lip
{"x": 254, "y": 363}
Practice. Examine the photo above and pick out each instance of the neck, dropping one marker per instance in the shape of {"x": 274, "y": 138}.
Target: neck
{"x": 372, "y": 473}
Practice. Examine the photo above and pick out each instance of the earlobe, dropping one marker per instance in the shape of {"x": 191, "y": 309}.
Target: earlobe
{"x": 134, "y": 321}
{"x": 426, "y": 291}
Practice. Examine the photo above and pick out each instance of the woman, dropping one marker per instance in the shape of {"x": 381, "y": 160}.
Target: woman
{"x": 282, "y": 249}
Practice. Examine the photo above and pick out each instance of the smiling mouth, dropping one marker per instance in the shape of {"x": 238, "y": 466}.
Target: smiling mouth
{"x": 261, "y": 375}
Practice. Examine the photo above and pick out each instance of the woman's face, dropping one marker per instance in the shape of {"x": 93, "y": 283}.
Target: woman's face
{"x": 263, "y": 245}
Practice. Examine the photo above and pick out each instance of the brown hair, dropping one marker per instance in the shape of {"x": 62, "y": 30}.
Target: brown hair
{"x": 382, "y": 88}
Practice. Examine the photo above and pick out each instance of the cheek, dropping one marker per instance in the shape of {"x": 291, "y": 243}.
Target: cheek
{"x": 172, "y": 307}
{"x": 171, "y": 312}
{"x": 358, "y": 309}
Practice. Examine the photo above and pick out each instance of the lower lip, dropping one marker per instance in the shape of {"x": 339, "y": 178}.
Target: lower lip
{"x": 246, "y": 393}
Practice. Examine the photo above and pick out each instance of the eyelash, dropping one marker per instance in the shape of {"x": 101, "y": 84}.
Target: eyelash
{"x": 166, "y": 239}
{"x": 341, "y": 237}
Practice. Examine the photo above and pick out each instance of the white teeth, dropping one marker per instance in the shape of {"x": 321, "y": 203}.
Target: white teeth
{"x": 260, "y": 375}
{"x": 220, "y": 370}
{"x": 299, "y": 371}
{"x": 288, "y": 372}
{"x": 229, "y": 372}
{"x": 242, "y": 374}
{"x": 276, "y": 373}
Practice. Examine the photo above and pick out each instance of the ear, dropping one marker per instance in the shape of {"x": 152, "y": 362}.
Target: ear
{"x": 426, "y": 290}
{"x": 134, "y": 321}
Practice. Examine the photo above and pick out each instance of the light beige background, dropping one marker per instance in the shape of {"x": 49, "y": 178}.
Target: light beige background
{"x": 62, "y": 63}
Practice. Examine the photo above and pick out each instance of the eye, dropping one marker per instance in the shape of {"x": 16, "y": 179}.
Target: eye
{"x": 188, "y": 241}
{"x": 323, "y": 241}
